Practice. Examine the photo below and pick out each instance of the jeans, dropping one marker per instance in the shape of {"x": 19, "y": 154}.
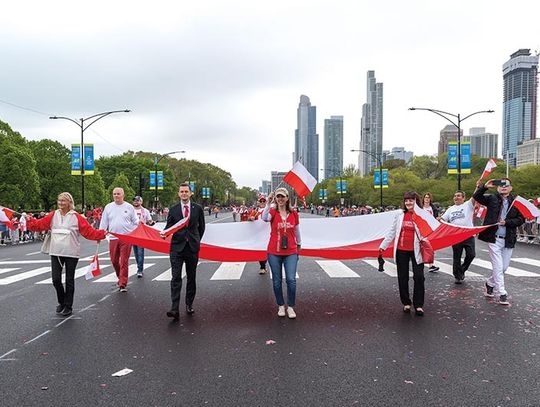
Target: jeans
{"x": 138, "y": 252}
{"x": 276, "y": 264}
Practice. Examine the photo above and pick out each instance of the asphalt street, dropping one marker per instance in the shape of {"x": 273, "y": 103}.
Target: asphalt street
{"x": 351, "y": 344}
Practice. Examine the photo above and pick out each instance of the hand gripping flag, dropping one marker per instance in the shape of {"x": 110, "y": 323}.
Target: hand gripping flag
{"x": 300, "y": 179}
{"x": 182, "y": 223}
{"x": 527, "y": 209}
{"x": 490, "y": 165}
{"x": 5, "y": 215}
{"x": 92, "y": 270}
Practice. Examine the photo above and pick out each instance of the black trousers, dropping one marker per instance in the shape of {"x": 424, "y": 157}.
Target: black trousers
{"x": 177, "y": 261}
{"x": 262, "y": 264}
{"x": 65, "y": 297}
{"x": 459, "y": 268}
{"x": 403, "y": 258}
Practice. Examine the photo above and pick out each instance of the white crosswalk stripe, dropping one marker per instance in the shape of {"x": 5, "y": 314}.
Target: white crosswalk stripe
{"x": 25, "y": 275}
{"x": 526, "y": 260}
{"x": 167, "y": 275}
{"x": 229, "y": 271}
{"x": 78, "y": 273}
{"x": 512, "y": 271}
{"x": 112, "y": 278}
{"x": 447, "y": 269}
{"x": 336, "y": 269}
{"x": 2, "y": 271}
{"x": 389, "y": 268}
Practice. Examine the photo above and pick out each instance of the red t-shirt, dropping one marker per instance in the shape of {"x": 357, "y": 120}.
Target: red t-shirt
{"x": 406, "y": 236}
{"x": 280, "y": 228}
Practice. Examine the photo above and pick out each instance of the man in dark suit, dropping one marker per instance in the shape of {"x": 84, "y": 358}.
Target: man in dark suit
{"x": 185, "y": 247}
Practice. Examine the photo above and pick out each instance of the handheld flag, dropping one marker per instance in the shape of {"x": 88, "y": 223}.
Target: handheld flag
{"x": 527, "y": 209}
{"x": 425, "y": 221}
{"x": 490, "y": 165}
{"x": 300, "y": 179}
{"x": 5, "y": 215}
{"x": 182, "y": 223}
{"x": 92, "y": 270}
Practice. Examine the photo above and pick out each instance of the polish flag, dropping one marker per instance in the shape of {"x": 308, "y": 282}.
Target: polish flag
{"x": 480, "y": 211}
{"x": 5, "y": 215}
{"x": 490, "y": 165}
{"x": 182, "y": 223}
{"x": 92, "y": 270}
{"x": 425, "y": 221}
{"x": 526, "y": 208}
{"x": 300, "y": 179}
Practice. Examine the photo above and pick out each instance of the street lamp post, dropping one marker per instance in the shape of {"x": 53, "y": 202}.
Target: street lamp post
{"x": 458, "y": 125}
{"x": 83, "y": 127}
{"x": 157, "y": 159}
{"x": 379, "y": 161}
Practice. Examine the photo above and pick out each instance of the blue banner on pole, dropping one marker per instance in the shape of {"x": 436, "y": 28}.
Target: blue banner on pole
{"x": 453, "y": 157}
{"x": 192, "y": 186}
{"x": 75, "y": 159}
{"x": 153, "y": 180}
{"x": 341, "y": 186}
{"x": 89, "y": 166}
{"x": 323, "y": 193}
{"x": 377, "y": 178}
{"x": 205, "y": 192}
{"x": 466, "y": 157}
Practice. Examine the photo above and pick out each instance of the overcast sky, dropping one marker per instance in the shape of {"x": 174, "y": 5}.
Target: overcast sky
{"x": 222, "y": 79}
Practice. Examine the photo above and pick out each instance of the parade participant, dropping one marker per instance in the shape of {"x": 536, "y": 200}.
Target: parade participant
{"x": 283, "y": 248}
{"x": 461, "y": 214}
{"x": 64, "y": 246}
{"x": 257, "y": 214}
{"x": 144, "y": 217}
{"x": 502, "y": 236}
{"x": 185, "y": 246}
{"x": 427, "y": 204}
{"x": 119, "y": 217}
{"x": 406, "y": 238}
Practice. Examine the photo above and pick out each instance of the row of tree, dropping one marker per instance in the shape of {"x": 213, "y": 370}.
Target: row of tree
{"x": 33, "y": 173}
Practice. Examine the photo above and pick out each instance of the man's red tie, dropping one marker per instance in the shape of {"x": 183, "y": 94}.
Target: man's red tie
{"x": 186, "y": 211}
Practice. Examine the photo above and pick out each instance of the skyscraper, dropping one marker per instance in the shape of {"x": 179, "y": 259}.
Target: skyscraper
{"x": 306, "y": 139}
{"x": 482, "y": 144}
{"x": 520, "y": 74}
{"x": 449, "y": 133}
{"x": 371, "y": 132}
{"x": 333, "y": 146}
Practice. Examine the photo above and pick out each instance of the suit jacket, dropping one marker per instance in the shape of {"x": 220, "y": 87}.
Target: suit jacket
{"x": 193, "y": 233}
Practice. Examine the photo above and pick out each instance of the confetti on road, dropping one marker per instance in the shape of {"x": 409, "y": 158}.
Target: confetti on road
{"x": 409, "y": 382}
{"x": 122, "y": 372}
{"x": 270, "y": 342}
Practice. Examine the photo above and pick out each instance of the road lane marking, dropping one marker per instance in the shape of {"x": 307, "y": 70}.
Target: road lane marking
{"x": 112, "y": 278}
{"x": 167, "y": 275}
{"x": 63, "y": 321}
{"x": 336, "y": 269}
{"x": 104, "y": 298}
{"x": 512, "y": 271}
{"x": 229, "y": 271}
{"x": 78, "y": 273}
{"x": 389, "y": 268}
{"x": 8, "y": 353}
{"x": 25, "y": 275}
{"x": 33, "y": 253}
{"x": 526, "y": 260}
{"x": 448, "y": 269}
{"x": 2, "y": 271}
{"x": 37, "y": 337}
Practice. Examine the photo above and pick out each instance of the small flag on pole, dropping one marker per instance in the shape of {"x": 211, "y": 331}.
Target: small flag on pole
{"x": 490, "y": 165}
{"x": 300, "y": 179}
{"x": 527, "y": 209}
{"x": 5, "y": 215}
{"x": 92, "y": 270}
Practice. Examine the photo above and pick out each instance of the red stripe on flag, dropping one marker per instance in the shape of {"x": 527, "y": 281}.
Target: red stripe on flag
{"x": 296, "y": 182}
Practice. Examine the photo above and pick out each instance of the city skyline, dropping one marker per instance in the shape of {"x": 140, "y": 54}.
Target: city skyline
{"x": 213, "y": 78}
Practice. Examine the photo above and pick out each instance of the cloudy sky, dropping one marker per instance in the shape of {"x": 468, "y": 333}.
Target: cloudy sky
{"x": 222, "y": 79}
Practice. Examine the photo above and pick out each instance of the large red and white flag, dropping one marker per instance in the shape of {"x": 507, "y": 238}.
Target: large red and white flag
{"x": 300, "y": 179}
{"x": 490, "y": 165}
{"x": 526, "y": 208}
{"x": 5, "y": 215}
{"x": 92, "y": 270}
{"x": 425, "y": 221}
{"x": 182, "y": 223}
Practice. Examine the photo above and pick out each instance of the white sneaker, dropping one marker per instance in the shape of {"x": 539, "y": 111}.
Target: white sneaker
{"x": 281, "y": 311}
{"x": 290, "y": 313}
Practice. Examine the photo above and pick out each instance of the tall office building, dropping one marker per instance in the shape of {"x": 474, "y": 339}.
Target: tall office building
{"x": 520, "y": 74}
{"x": 371, "y": 132}
{"x": 277, "y": 179}
{"x": 265, "y": 187}
{"x": 483, "y": 144}
{"x": 449, "y": 133}
{"x": 306, "y": 139}
{"x": 528, "y": 152}
{"x": 399, "y": 153}
{"x": 333, "y": 146}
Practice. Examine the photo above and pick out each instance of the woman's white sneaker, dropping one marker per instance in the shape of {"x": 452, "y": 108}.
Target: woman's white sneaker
{"x": 281, "y": 311}
{"x": 290, "y": 313}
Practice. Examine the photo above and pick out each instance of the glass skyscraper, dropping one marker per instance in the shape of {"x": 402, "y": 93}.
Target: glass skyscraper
{"x": 520, "y": 74}
{"x": 306, "y": 139}
{"x": 333, "y": 146}
{"x": 371, "y": 132}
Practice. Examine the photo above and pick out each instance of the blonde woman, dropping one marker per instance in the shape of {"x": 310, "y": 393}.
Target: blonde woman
{"x": 66, "y": 226}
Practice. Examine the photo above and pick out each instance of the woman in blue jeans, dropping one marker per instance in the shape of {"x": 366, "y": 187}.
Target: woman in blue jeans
{"x": 283, "y": 247}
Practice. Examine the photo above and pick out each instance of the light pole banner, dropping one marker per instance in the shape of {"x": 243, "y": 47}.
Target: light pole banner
{"x": 153, "y": 180}
{"x": 192, "y": 186}
{"x": 341, "y": 186}
{"x": 205, "y": 192}
{"x": 453, "y": 157}
{"x": 377, "y": 178}
{"x": 75, "y": 159}
{"x": 323, "y": 193}
{"x": 89, "y": 166}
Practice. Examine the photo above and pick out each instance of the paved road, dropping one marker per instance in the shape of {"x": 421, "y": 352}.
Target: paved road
{"x": 350, "y": 345}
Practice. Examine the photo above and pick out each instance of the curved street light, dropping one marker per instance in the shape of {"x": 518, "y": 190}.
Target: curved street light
{"x": 445, "y": 115}
{"x": 157, "y": 159}
{"x": 81, "y": 124}
{"x": 379, "y": 161}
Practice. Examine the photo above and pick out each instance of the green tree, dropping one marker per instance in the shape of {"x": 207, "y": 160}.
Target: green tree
{"x": 121, "y": 181}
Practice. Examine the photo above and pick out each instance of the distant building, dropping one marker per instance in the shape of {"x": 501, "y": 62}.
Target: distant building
{"x": 520, "y": 74}
{"x": 371, "y": 131}
{"x": 277, "y": 179}
{"x": 528, "y": 152}
{"x": 483, "y": 144}
{"x": 398, "y": 153}
{"x": 266, "y": 187}
{"x": 306, "y": 139}
{"x": 449, "y": 133}
{"x": 333, "y": 146}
